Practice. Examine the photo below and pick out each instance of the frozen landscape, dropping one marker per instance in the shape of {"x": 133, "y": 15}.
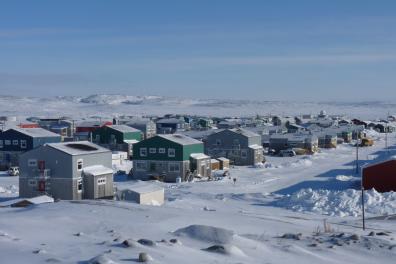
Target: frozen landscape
{"x": 116, "y": 105}
{"x": 302, "y": 209}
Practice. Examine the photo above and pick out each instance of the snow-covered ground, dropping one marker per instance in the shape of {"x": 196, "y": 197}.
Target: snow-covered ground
{"x": 275, "y": 214}
{"x": 115, "y": 105}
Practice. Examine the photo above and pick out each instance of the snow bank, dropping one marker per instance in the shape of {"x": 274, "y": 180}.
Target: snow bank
{"x": 10, "y": 189}
{"x": 339, "y": 203}
{"x": 206, "y": 233}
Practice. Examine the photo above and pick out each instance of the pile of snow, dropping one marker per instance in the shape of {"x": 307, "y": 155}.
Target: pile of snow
{"x": 302, "y": 162}
{"x": 206, "y": 233}
{"x": 339, "y": 203}
{"x": 10, "y": 189}
{"x": 345, "y": 178}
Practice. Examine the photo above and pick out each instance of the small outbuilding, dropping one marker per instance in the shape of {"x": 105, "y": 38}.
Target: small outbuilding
{"x": 144, "y": 193}
{"x": 381, "y": 176}
{"x": 224, "y": 163}
{"x": 214, "y": 164}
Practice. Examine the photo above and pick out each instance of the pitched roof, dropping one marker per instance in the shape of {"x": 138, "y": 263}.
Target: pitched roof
{"x": 244, "y": 132}
{"x": 36, "y": 132}
{"x": 180, "y": 139}
{"x": 124, "y": 128}
{"x": 78, "y": 147}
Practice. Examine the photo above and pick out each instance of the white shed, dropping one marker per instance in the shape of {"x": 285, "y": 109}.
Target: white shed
{"x": 143, "y": 193}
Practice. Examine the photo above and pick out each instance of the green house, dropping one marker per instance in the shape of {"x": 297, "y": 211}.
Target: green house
{"x": 168, "y": 157}
{"x": 116, "y": 134}
{"x": 117, "y": 138}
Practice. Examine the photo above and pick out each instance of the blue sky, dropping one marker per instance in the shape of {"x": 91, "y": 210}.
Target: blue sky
{"x": 267, "y": 50}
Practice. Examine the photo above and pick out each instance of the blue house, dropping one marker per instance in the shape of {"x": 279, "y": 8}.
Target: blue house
{"x": 15, "y": 141}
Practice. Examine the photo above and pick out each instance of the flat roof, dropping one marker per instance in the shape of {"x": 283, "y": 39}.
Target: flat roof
{"x": 97, "y": 170}
{"x": 78, "y": 147}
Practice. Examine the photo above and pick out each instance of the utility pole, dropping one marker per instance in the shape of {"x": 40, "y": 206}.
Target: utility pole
{"x": 386, "y": 139}
{"x": 363, "y": 217}
{"x": 357, "y": 155}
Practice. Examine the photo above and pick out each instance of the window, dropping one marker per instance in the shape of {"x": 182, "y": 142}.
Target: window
{"x": 32, "y": 163}
{"x": 97, "y": 138}
{"x": 171, "y": 152}
{"x": 79, "y": 185}
{"x": 7, "y": 142}
{"x": 32, "y": 182}
{"x": 153, "y": 150}
{"x": 244, "y": 154}
{"x": 174, "y": 167}
{"x": 15, "y": 142}
{"x": 79, "y": 164}
{"x": 1, "y": 143}
{"x": 23, "y": 144}
{"x": 236, "y": 141}
{"x": 101, "y": 181}
{"x": 218, "y": 142}
{"x": 141, "y": 165}
{"x": 161, "y": 150}
{"x": 143, "y": 152}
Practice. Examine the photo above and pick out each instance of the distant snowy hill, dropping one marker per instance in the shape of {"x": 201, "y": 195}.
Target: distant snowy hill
{"x": 111, "y": 105}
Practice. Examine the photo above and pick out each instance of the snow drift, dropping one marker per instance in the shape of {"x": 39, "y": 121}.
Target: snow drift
{"x": 339, "y": 203}
{"x": 206, "y": 233}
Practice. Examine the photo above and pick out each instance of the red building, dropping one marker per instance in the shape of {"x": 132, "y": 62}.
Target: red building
{"x": 28, "y": 125}
{"x": 381, "y": 176}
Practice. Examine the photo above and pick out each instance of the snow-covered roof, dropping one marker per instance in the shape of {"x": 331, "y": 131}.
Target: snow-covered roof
{"x": 244, "y": 132}
{"x": 97, "y": 170}
{"x": 180, "y": 139}
{"x": 199, "y": 156}
{"x": 124, "y": 128}
{"x": 36, "y": 132}
{"x": 77, "y": 147}
{"x": 255, "y": 146}
{"x": 142, "y": 188}
{"x": 35, "y": 200}
{"x": 131, "y": 141}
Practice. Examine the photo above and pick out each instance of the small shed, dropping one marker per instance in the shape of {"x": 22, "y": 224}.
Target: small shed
{"x": 143, "y": 193}
{"x": 95, "y": 180}
{"x": 381, "y": 176}
{"x": 214, "y": 164}
{"x": 200, "y": 163}
{"x": 224, "y": 163}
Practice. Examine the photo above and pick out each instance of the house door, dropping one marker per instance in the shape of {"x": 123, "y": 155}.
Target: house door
{"x": 101, "y": 190}
{"x": 202, "y": 171}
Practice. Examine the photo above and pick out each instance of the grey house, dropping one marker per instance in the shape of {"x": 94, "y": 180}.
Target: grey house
{"x": 147, "y": 126}
{"x": 307, "y": 142}
{"x": 69, "y": 171}
{"x": 171, "y": 125}
{"x": 241, "y": 146}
